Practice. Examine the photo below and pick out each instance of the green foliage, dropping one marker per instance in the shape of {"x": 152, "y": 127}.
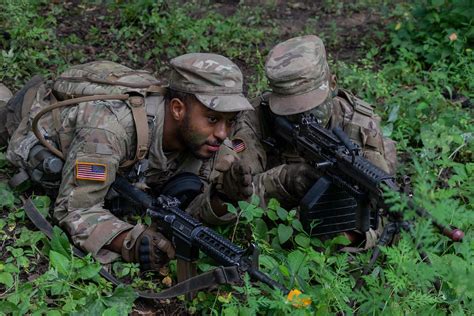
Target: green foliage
{"x": 70, "y": 286}
{"x": 433, "y": 30}
{"x": 425, "y": 60}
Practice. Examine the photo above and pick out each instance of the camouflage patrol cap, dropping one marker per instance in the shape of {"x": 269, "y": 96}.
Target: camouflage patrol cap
{"x": 299, "y": 75}
{"x": 5, "y": 94}
{"x": 213, "y": 79}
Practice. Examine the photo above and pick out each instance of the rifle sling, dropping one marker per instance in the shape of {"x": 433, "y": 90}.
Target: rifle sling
{"x": 220, "y": 275}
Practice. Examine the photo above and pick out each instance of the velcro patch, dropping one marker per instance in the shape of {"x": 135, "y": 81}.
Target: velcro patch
{"x": 91, "y": 171}
{"x": 238, "y": 145}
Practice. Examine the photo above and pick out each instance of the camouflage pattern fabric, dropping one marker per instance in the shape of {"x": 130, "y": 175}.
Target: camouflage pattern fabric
{"x": 102, "y": 77}
{"x": 5, "y": 95}
{"x": 299, "y": 75}
{"x": 215, "y": 81}
{"x": 96, "y": 137}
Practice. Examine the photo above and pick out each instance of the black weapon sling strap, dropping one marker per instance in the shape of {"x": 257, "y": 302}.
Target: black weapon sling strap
{"x": 218, "y": 276}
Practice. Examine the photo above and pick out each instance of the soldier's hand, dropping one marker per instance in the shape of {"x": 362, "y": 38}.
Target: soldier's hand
{"x": 298, "y": 178}
{"x": 237, "y": 181}
{"x": 149, "y": 248}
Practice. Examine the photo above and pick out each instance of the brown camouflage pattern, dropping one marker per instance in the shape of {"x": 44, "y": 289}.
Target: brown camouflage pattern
{"x": 299, "y": 75}
{"x": 103, "y": 132}
{"x": 214, "y": 79}
{"x": 5, "y": 95}
{"x": 102, "y": 77}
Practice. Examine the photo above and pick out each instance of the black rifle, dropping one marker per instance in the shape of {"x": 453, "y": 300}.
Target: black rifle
{"x": 189, "y": 235}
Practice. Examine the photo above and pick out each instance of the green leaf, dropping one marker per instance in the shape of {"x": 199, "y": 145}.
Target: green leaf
{"x": 60, "y": 262}
{"x": 295, "y": 260}
{"x": 271, "y": 214}
{"x": 261, "y": 229}
{"x": 6, "y": 278}
{"x": 7, "y": 199}
{"x": 255, "y": 199}
{"x": 302, "y": 240}
{"x": 111, "y": 311}
{"x": 60, "y": 242}
{"x": 54, "y": 312}
{"x": 89, "y": 271}
{"x": 282, "y": 213}
{"x": 2, "y": 223}
{"x": 273, "y": 204}
{"x": 230, "y": 311}
{"x": 59, "y": 288}
{"x": 123, "y": 297}
{"x": 231, "y": 208}
{"x": 147, "y": 220}
{"x": 93, "y": 307}
{"x": 284, "y": 233}
{"x": 42, "y": 203}
{"x": 8, "y": 307}
{"x": 340, "y": 240}
{"x": 297, "y": 225}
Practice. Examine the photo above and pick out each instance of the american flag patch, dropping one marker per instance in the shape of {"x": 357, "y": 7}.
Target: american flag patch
{"x": 238, "y": 145}
{"x": 91, "y": 171}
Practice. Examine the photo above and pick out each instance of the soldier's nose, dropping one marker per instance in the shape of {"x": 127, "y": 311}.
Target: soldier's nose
{"x": 220, "y": 132}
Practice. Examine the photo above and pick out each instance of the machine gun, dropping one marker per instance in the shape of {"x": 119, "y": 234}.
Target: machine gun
{"x": 339, "y": 162}
{"x": 189, "y": 236}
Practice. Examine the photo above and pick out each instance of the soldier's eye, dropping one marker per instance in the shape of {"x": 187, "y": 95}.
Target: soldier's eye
{"x": 212, "y": 119}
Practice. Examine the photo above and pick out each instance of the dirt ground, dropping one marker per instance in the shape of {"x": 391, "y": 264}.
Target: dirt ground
{"x": 345, "y": 27}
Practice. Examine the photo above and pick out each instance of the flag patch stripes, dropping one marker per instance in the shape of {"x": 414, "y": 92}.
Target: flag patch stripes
{"x": 238, "y": 145}
{"x": 91, "y": 171}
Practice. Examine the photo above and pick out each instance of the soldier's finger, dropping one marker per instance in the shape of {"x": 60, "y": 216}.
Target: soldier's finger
{"x": 224, "y": 163}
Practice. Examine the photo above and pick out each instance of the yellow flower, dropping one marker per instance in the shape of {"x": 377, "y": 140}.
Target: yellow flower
{"x": 297, "y": 301}
{"x": 453, "y": 37}
{"x": 398, "y": 26}
{"x": 167, "y": 281}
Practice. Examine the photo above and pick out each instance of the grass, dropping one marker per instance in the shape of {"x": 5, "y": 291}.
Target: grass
{"x": 402, "y": 70}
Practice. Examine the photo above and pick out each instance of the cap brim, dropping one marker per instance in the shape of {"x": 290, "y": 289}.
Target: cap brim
{"x": 298, "y": 103}
{"x": 225, "y": 103}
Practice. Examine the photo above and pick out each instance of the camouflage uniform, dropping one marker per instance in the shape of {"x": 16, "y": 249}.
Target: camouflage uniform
{"x": 5, "y": 95}
{"x": 101, "y": 135}
{"x": 300, "y": 79}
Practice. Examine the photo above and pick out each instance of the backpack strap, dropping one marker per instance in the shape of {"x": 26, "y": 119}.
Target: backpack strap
{"x": 137, "y": 105}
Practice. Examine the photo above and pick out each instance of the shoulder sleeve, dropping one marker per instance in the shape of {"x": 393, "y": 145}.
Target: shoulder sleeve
{"x": 246, "y": 138}
{"x": 91, "y": 164}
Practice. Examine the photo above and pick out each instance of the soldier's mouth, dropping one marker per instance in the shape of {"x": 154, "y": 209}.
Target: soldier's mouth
{"x": 213, "y": 147}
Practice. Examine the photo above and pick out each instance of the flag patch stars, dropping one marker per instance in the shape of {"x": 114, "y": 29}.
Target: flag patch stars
{"x": 91, "y": 171}
{"x": 238, "y": 145}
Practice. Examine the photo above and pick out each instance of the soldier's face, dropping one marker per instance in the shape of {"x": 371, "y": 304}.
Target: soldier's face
{"x": 203, "y": 130}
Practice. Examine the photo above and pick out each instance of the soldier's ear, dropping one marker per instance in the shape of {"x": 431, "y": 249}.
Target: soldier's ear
{"x": 333, "y": 83}
{"x": 177, "y": 109}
